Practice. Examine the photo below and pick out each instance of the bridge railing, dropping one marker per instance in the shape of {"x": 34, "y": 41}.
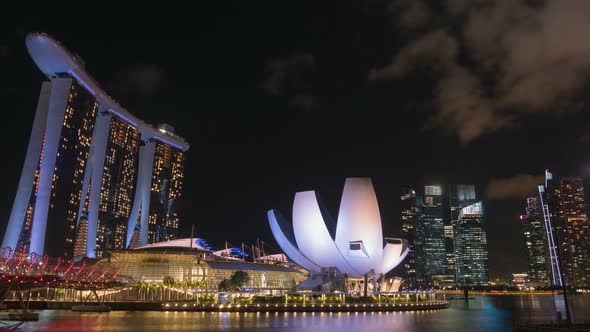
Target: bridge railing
{"x": 30, "y": 270}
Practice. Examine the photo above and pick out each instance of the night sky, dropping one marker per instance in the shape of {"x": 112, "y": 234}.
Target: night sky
{"x": 281, "y": 97}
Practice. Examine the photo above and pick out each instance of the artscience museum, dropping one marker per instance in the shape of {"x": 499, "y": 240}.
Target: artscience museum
{"x": 351, "y": 251}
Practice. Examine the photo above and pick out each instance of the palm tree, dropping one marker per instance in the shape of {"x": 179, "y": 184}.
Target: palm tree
{"x": 175, "y": 286}
{"x": 187, "y": 286}
{"x": 162, "y": 290}
{"x": 150, "y": 291}
{"x": 154, "y": 287}
{"x": 169, "y": 282}
{"x": 141, "y": 288}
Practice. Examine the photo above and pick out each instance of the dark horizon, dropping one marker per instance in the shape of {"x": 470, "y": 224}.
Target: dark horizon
{"x": 276, "y": 100}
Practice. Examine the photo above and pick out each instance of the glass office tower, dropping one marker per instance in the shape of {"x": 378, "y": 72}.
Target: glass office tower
{"x": 471, "y": 247}
{"x": 432, "y": 233}
{"x": 460, "y": 196}
{"x": 410, "y": 209}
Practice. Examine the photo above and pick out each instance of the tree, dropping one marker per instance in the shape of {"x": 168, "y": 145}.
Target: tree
{"x": 168, "y": 282}
{"x": 225, "y": 285}
{"x": 142, "y": 287}
{"x": 239, "y": 278}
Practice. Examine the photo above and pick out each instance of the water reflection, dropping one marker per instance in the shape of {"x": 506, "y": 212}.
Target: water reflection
{"x": 484, "y": 313}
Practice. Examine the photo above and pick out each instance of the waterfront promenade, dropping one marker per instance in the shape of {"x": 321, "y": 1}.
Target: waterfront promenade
{"x": 269, "y": 307}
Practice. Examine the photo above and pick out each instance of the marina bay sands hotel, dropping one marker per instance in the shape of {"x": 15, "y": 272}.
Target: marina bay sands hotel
{"x": 95, "y": 177}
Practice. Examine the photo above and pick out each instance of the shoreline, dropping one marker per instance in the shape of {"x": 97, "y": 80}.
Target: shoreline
{"x": 507, "y": 293}
{"x": 290, "y": 307}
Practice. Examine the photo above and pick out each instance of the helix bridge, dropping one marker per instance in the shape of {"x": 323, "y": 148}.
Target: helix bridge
{"x": 21, "y": 272}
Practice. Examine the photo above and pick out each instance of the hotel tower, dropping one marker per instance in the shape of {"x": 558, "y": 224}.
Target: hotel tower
{"x": 95, "y": 176}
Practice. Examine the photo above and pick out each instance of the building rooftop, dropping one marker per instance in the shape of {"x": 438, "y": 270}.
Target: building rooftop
{"x": 54, "y": 60}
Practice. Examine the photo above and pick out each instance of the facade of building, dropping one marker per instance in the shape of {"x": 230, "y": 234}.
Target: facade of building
{"x": 573, "y": 231}
{"x": 520, "y": 280}
{"x": 352, "y": 248}
{"x": 568, "y": 230}
{"x": 81, "y": 237}
{"x": 87, "y": 161}
{"x": 410, "y": 209}
{"x": 184, "y": 260}
{"x": 471, "y": 248}
{"x": 460, "y": 196}
{"x": 447, "y": 237}
{"x": 166, "y": 188}
{"x": 117, "y": 187}
{"x": 432, "y": 233}
{"x": 535, "y": 239}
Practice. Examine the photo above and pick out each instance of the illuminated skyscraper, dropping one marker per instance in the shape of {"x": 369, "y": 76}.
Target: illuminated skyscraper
{"x": 160, "y": 180}
{"x": 460, "y": 196}
{"x": 431, "y": 233}
{"x": 447, "y": 237}
{"x": 574, "y": 232}
{"x": 568, "y": 230}
{"x": 166, "y": 188}
{"x": 471, "y": 247}
{"x": 88, "y": 156}
{"x": 535, "y": 238}
{"x": 410, "y": 217}
{"x": 50, "y": 188}
{"x": 117, "y": 187}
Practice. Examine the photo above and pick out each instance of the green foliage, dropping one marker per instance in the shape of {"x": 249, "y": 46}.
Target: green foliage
{"x": 243, "y": 300}
{"x": 206, "y": 299}
{"x": 268, "y": 299}
{"x": 225, "y": 285}
{"x": 362, "y": 299}
{"x": 385, "y": 299}
{"x": 295, "y": 299}
{"x": 168, "y": 281}
{"x": 239, "y": 278}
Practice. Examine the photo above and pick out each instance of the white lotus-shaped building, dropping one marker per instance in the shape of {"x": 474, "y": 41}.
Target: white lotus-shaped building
{"x": 354, "y": 246}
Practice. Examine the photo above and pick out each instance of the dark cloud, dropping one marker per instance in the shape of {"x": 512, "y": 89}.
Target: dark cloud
{"x": 533, "y": 56}
{"x": 410, "y": 13}
{"x": 291, "y": 77}
{"x": 143, "y": 80}
{"x": 518, "y": 186}
{"x": 437, "y": 48}
{"x": 288, "y": 74}
{"x": 303, "y": 102}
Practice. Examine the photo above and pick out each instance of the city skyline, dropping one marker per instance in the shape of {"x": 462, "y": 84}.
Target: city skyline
{"x": 447, "y": 235}
{"x": 233, "y": 93}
